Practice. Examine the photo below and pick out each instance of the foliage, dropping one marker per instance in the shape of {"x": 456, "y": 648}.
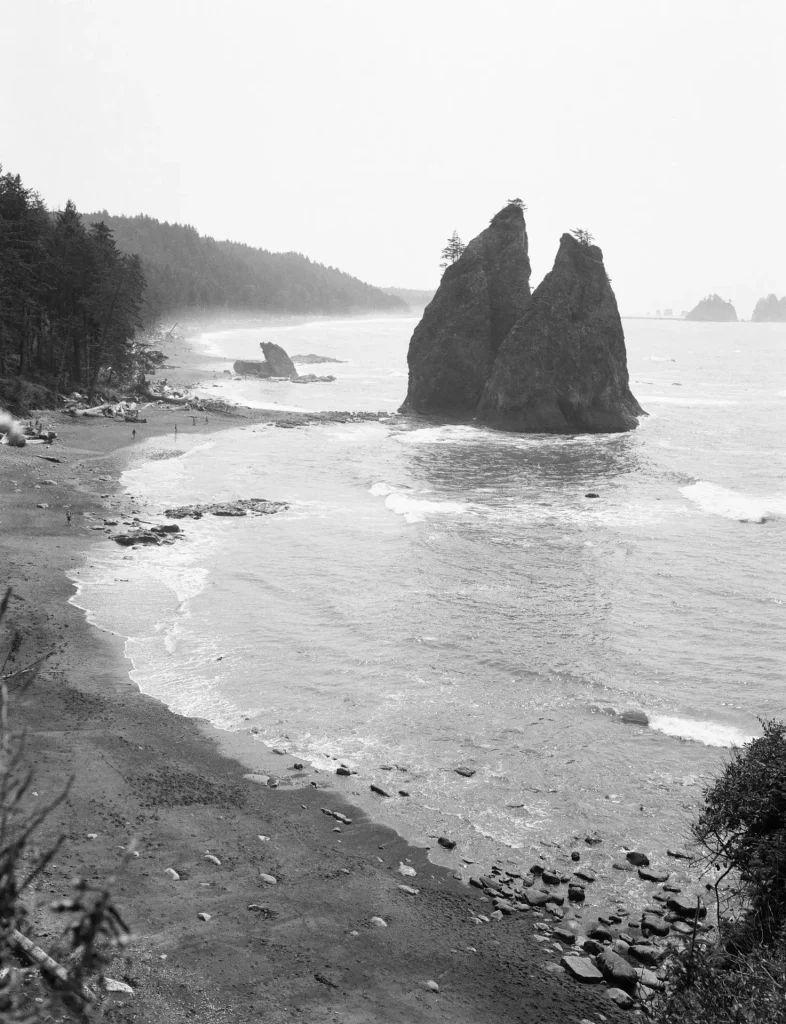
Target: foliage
{"x": 185, "y": 270}
{"x": 517, "y": 202}
{"x": 452, "y": 250}
{"x": 93, "y": 927}
{"x": 70, "y": 301}
{"x": 741, "y": 828}
{"x": 582, "y": 236}
{"x": 770, "y": 309}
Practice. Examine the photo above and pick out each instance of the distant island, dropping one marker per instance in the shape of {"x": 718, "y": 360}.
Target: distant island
{"x": 713, "y": 308}
{"x": 770, "y": 310}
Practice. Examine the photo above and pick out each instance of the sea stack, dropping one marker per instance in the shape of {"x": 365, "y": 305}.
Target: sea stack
{"x": 275, "y": 364}
{"x": 480, "y": 298}
{"x": 563, "y": 368}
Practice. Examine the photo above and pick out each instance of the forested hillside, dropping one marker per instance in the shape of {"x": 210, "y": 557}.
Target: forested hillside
{"x": 71, "y": 303}
{"x": 770, "y": 309}
{"x": 186, "y": 270}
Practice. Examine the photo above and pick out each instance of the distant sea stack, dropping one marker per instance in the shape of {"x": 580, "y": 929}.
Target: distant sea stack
{"x": 713, "y": 308}
{"x": 480, "y": 298}
{"x": 770, "y": 310}
{"x": 563, "y": 367}
{"x": 275, "y": 364}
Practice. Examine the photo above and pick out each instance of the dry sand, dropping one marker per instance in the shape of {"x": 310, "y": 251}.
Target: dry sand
{"x": 147, "y": 775}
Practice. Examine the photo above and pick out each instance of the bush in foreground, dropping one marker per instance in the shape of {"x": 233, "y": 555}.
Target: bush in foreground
{"x": 741, "y": 827}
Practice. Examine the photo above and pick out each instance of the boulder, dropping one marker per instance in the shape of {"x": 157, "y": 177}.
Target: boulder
{"x": 638, "y": 859}
{"x": 581, "y": 969}
{"x": 654, "y": 926}
{"x": 651, "y": 875}
{"x": 275, "y": 364}
{"x": 537, "y": 897}
{"x": 600, "y": 933}
{"x": 616, "y": 971}
{"x": 480, "y": 298}
{"x": 563, "y": 367}
{"x": 621, "y": 998}
{"x": 645, "y": 953}
{"x": 687, "y": 906}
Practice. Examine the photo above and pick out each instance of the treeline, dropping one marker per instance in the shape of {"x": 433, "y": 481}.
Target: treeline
{"x": 71, "y": 302}
{"x": 770, "y": 309}
{"x": 185, "y": 270}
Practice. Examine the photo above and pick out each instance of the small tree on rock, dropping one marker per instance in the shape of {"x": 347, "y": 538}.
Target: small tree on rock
{"x": 517, "y": 202}
{"x": 582, "y": 236}
{"x": 452, "y": 250}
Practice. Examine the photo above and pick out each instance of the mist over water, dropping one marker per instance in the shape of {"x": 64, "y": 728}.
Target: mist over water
{"x": 448, "y": 595}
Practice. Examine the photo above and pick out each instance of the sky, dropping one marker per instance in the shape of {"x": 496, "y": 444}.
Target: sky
{"x": 363, "y": 132}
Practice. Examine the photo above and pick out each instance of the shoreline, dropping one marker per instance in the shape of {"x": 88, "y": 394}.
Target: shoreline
{"x": 147, "y": 773}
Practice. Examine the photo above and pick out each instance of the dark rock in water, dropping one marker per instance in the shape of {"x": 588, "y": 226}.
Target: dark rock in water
{"x": 617, "y": 971}
{"x": 575, "y": 855}
{"x": 585, "y": 874}
{"x": 640, "y": 860}
{"x": 156, "y": 535}
{"x": 634, "y": 718}
{"x": 678, "y": 854}
{"x": 379, "y": 790}
{"x": 601, "y": 933}
{"x": 687, "y": 906}
{"x": 645, "y": 954}
{"x": 343, "y": 771}
{"x": 581, "y": 969}
{"x": 466, "y": 772}
{"x": 619, "y": 866}
{"x": 449, "y": 844}
{"x": 563, "y": 368}
{"x": 241, "y": 507}
{"x": 277, "y": 359}
{"x": 480, "y": 298}
{"x": 275, "y": 364}
{"x": 591, "y": 494}
{"x": 654, "y": 926}
{"x": 650, "y": 875}
{"x": 593, "y": 839}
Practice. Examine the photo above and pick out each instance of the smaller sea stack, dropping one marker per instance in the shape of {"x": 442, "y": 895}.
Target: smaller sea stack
{"x": 563, "y": 367}
{"x": 479, "y": 299}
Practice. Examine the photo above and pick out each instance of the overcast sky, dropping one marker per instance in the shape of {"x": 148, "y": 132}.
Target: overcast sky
{"x": 362, "y": 132}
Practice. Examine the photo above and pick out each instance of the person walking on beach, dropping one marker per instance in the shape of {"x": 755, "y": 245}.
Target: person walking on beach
{"x": 68, "y": 518}
{"x": 133, "y": 433}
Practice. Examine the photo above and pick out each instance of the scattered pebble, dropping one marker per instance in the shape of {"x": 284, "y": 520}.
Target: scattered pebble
{"x": 172, "y": 874}
{"x": 92, "y": 835}
{"x": 408, "y": 889}
{"x": 112, "y": 985}
{"x": 466, "y": 772}
{"x": 213, "y": 859}
{"x": 378, "y": 922}
{"x": 432, "y": 986}
{"x": 448, "y": 844}
{"x": 379, "y": 790}
{"x": 203, "y": 916}
{"x": 406, "y": 870}
{"x": 269, "y": 879}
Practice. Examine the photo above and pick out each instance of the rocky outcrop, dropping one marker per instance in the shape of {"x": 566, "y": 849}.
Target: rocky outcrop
{"x": 275, "y": 364}
{"x": 713, "y": 308}
{"x": 312, "y": 358}
{"x": 770, "y": 310}
{"x": 563, "y": 367}
{"x": 480, "y": 298}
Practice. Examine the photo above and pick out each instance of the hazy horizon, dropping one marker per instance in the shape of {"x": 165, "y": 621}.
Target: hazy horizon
{"x": 362, "y": 135}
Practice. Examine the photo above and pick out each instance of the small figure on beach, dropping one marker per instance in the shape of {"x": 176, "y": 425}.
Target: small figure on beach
{"x": 68, "y": 518}
{"x": 205, "y": 419}
{"x": 193, "y": 421}
{"x": 176, "y": 428}
{"x": 133, "y": 433}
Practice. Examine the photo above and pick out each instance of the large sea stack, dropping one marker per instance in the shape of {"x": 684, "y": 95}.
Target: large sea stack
{"x": 563, "y": 367}
{"x": 480, "y": 298}
{"x": 275, "y": 364}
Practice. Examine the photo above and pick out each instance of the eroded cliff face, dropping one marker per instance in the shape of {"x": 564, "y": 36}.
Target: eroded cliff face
{"x": 563, "y": 367}
{"x": 479, "y": 299}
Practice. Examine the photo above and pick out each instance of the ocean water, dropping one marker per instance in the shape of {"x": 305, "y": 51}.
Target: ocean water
{"x": 438, "y": 596}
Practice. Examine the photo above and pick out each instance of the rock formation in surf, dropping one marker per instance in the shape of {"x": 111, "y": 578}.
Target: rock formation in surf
{"x": 563, "y": 366}
{"x": 480, "y": 298}
{"x": 275, "y": 364}
{"x": 713, "y": 308}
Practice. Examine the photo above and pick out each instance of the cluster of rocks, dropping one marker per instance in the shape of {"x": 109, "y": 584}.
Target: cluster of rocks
{"x": 611, "y": 948}
{"x": 553, "y": 361}
{"x": 240, "y": 507}
{"x": 278, "y": 366}
{"x": 166, "y": 534}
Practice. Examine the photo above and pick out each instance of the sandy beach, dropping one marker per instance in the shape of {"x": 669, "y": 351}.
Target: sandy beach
{"x": 307, "y": 950}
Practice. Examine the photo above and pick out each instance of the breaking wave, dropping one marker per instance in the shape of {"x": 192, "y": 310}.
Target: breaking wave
{"x": 711, "y": 734}
{"x": 413, "y": 508}
{"x": 720, "y": 501}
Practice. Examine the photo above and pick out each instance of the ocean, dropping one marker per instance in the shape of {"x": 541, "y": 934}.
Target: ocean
{"x": 443, "y": 596}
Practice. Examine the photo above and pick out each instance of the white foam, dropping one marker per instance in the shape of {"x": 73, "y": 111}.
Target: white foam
{"x": 745, "y": 508}
{"x": 687, "y": 400}
{"x": 380, "y": 490}
{"x": 711, "y": 734}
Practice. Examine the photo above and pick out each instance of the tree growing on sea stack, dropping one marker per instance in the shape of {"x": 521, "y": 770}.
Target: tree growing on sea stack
{"x": 452, "y": 251}
{"x": 582, "y": 236}
{"x": 563, "y": 367}
{"x": 479, "y": 299}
